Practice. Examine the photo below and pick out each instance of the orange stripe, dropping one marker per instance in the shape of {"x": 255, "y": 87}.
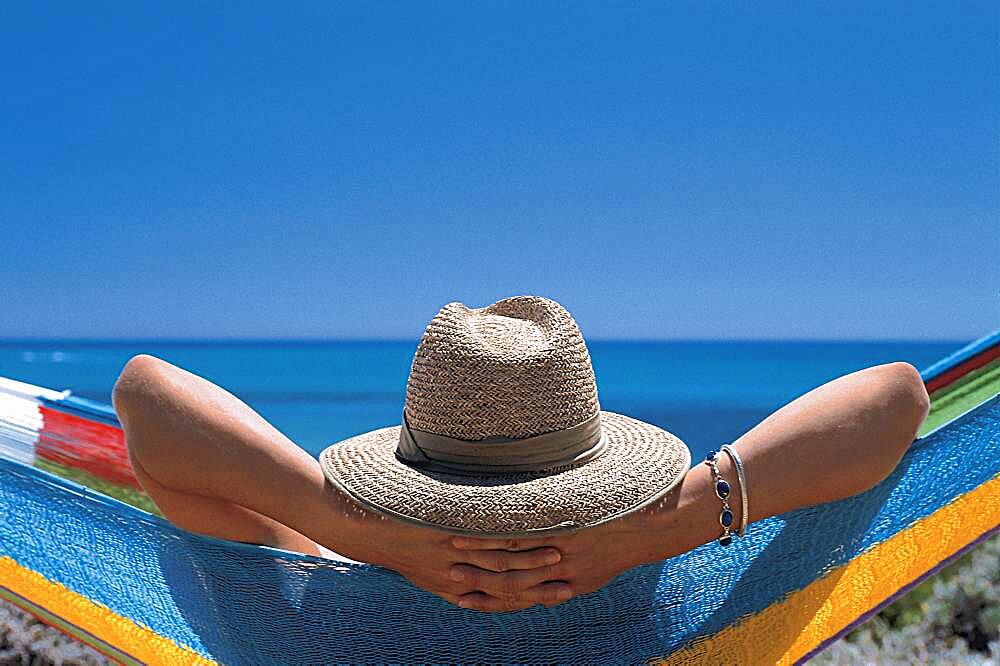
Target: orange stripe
{"x": 120, "y": 632}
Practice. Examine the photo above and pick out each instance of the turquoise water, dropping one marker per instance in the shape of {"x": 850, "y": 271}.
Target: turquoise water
{"x": 321, "y": 392}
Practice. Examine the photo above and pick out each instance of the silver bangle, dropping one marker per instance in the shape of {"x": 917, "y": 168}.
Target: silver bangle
{"x": 741, "y": 475}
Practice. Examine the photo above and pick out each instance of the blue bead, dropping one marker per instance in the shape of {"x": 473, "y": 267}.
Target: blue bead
{"x": 711, "y": 455}
{"x": 722, "y": 489}
{"x": 726, "y": 540}
{"x": 726, "y": 517}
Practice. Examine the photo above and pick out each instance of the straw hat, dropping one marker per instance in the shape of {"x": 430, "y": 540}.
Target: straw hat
{"x": 502, "y": 432}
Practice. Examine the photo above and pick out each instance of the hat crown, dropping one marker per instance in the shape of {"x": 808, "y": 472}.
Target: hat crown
{"x": 514, "y": 369}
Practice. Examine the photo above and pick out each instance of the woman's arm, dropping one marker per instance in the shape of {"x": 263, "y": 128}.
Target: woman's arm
{"x": 833, "y": 442}
{"x": 211, "y": 464}
{"x": 216, "y": 467}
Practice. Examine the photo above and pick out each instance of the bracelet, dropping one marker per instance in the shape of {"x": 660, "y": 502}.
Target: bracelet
{"x": 745, "y": 505}
{"x": 722, "y": 489}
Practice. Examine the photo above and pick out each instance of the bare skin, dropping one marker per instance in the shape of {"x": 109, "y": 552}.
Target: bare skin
{"x": 838, "y": 440}
{"x": 216, "y": 467}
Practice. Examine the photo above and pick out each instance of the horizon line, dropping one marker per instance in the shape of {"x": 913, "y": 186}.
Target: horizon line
{"x": 250, "y": 341}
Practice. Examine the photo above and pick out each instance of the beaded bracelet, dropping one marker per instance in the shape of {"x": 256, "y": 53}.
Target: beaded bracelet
{"x": 722, "y": 489}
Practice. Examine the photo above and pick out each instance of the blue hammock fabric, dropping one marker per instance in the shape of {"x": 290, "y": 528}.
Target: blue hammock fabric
{"x": 235, "y": 603}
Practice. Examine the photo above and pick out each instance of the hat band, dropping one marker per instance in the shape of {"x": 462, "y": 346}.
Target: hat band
{"x": 502, "y": 455}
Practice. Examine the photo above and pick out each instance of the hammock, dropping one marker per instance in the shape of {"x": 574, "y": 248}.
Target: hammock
{"x": 129, "y": 584}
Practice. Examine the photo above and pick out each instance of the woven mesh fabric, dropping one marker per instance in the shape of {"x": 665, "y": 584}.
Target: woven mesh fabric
{"x": 243, "y": 604}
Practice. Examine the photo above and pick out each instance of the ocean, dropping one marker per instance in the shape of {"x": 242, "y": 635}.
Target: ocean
{"x": 317, "y": 393}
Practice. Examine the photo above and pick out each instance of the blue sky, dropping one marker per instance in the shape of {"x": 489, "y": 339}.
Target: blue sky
{"x": 783, "y": 170}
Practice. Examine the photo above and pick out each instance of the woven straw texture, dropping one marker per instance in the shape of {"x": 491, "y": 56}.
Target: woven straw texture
{"x": 515, "y": 369}
{"x": 641, "y": 463}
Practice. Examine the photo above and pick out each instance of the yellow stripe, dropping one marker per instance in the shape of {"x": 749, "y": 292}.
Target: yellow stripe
{"x": 141, "y": 642}
{"x": 787, "y": 630}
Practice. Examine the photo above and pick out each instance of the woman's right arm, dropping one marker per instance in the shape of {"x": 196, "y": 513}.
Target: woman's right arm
{"x": 216, "y": 467}
{"x": 836, "y": 441}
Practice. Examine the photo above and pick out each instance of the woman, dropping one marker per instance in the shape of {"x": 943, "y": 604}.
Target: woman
{"x": 505, "y": 486}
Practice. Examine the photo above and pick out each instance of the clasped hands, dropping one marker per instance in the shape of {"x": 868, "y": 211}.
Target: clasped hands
{"x": 503, "y": 574}
{"x": 500, "y": 575}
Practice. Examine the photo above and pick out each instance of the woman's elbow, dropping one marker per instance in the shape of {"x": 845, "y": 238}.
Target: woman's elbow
{"x": 135, "y": 386}
{"x": 908, "y": 401}
{"x": 904, "y": 404}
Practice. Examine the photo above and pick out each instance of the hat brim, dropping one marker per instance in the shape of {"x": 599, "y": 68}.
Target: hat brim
{"x": 641, "y": 464}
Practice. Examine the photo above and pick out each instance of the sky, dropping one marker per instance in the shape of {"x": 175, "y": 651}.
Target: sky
{"x": 664, "y": 170}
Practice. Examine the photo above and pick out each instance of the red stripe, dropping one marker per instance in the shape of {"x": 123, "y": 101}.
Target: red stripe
{"x": 965, "y": 367}
{"x": 79, "y": 443}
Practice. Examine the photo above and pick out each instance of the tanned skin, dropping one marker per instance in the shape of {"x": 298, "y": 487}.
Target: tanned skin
{"x": 216, "y": 467}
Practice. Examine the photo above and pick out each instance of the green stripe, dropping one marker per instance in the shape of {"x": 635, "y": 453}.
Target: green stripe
{"x": 78, "y": 634}
{"x": 962, "y": 395}
{"x": 132, "y": 496}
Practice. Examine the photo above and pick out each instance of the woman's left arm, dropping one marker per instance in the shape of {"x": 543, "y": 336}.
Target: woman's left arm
{"x": 836, "y": 441}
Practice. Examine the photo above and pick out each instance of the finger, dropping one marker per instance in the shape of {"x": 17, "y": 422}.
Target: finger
{"x": 551, "y": 593}
{"x": 480, "y": 601}
{"x": 477, "y": 543}
{"x": 547, "y": 594}
{"x": 505, "y": 560}
{"x": 506, "y": 584}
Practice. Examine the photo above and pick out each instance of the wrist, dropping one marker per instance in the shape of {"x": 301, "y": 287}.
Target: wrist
{"x": 686, "y": 518}
{"x": 339, "y": 523}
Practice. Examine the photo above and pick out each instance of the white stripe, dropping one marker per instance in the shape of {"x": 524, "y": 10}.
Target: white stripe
{"x": 29, "y": 390}
{"x": 20, "y": 419}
